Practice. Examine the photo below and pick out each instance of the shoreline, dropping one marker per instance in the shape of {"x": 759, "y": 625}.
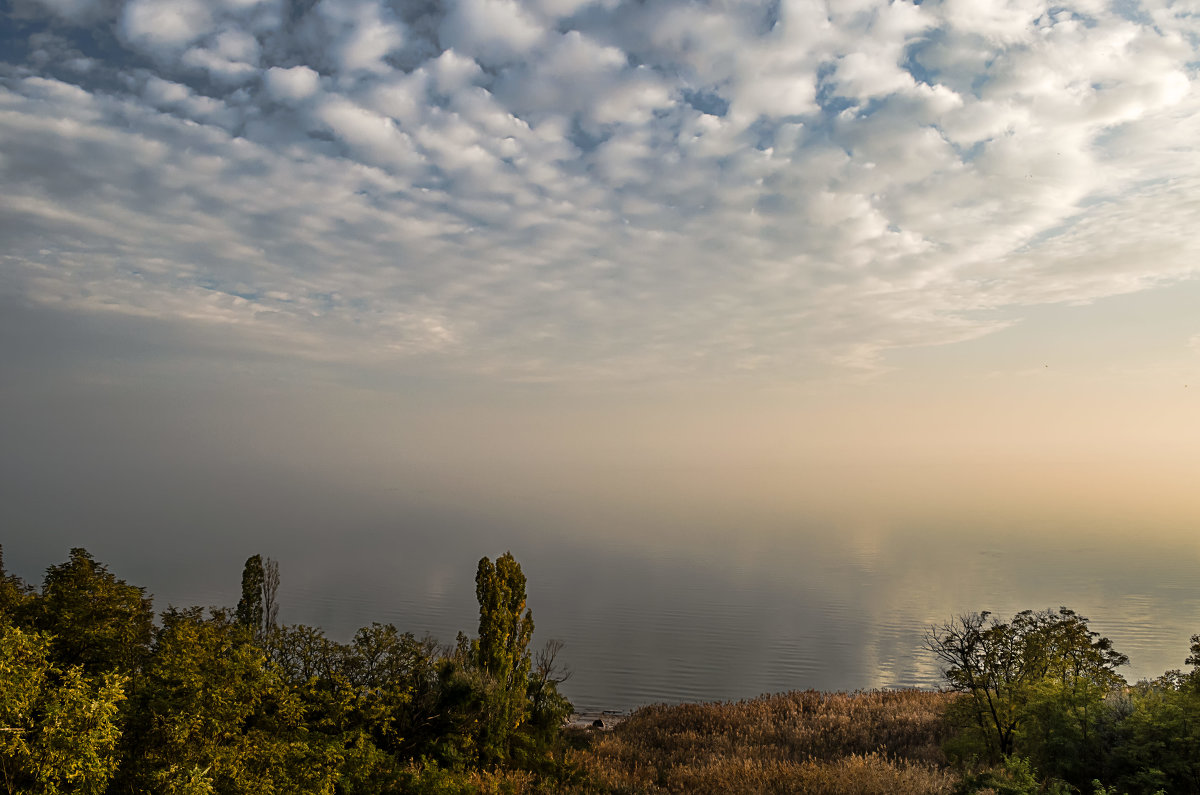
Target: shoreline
{"x": 587, "y": 719}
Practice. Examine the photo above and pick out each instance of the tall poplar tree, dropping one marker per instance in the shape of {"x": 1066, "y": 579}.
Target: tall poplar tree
{"x": 258, "y": 609}
{"x": 250, "y": 607}
{"x": 501, "y": 652}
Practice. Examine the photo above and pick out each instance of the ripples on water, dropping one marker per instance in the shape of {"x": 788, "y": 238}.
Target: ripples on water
{"x": 652, "y": 623}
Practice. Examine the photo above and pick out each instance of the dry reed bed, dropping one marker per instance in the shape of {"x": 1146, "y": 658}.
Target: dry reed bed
{"x": 867, "y": 742}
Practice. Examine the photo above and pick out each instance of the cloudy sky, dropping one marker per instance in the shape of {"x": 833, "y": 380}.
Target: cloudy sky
{"x": 539, "y": 256}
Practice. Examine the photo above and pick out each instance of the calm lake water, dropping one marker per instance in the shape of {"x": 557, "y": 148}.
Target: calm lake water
{"x": 654, "y": 613}
{"x": 752, "y": 616}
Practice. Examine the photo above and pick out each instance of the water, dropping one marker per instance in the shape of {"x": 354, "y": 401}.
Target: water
{"x": 797, "y": 613}
{"x": 667, "y": 613}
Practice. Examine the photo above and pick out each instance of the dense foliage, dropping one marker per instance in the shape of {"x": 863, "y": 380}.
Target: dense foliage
{"x": 1043, "y": 709}
{"x": 1037, "y": 682}
{"x": 98, "y": 698}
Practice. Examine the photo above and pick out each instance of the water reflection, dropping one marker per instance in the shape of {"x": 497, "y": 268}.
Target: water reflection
{"x": 649, "y": 617}
{"x": 654, "y": 622}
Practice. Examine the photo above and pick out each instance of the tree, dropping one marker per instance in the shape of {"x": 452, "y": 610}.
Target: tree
{"x": 1158, "y": 744}
{"x": 1035, "y": 684}
{"x": 97, "y": 621}
{"x": 258, "y": 609}
{"x": 355, "y": 696}
{"x": 548, "y": 708}
{"x": 250, "y": 607}
{"x": 58, "y": 728}
{"x": 501, "y": 653}
{"x": 270, "y": 596}
{"x": 213, "y": 713}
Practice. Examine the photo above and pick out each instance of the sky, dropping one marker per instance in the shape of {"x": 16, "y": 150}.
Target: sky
{"x": 595, "y": 268}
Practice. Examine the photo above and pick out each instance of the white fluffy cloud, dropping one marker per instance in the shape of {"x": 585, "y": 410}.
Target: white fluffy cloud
{"x": 494, "y": 31}
{"x": 165, "y": 25}
{"x": 454, "y": 72}
{"x": 560, "y": 187}
{"x": 292, "y": 84}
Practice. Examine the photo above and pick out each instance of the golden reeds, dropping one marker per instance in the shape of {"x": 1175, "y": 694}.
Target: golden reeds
{"x": 866, "y": 742}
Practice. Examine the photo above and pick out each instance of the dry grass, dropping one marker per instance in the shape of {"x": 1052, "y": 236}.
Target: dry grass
{"x": 870, "y": 742}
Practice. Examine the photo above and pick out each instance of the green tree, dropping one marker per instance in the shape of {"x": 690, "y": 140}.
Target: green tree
{"x": 381, "y": 698}
{"x": 96, "y": 620}
{"x": 58, "y": 728}
{"x": 548, "y": 709}
{"x": 394, "y": 677}
{"x": 1014, "y": 776}
{"x": 250, "y": 607}
{"x": 1033, "y": 685}
{"x": 1158, "y": 744}
{"x": 501, "y": 653}
{"x": 303, "y": 654}
{"x": 383, "y": 683}
{"x": 258, "y": 609}
{"x": 213, "y": 712}
{"x": 314, "y": 668}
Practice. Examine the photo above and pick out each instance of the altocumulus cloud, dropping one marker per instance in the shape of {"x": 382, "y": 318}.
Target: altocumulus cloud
{"x": 595, "y": 188}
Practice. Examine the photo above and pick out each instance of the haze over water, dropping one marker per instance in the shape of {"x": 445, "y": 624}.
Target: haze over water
{"x": 696, "y": 578}
{"x": 763, "y": 335}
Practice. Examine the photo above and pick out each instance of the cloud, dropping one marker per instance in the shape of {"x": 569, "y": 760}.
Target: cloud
{"x": 292, "y": 84}
{"x": 572, "y": 77}
{"x": 231, "y": 57}
{"x": 375, "y": 136}
{"x": 544, "y": 190}
{"x": 364, "y": 34}
{"x": 180, "y": 99}
{"x": 494, "y": 31}
{"x": 1007, "y": 22}
{"x": 162, "y": 26}
{"x": 453, "y": 72}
